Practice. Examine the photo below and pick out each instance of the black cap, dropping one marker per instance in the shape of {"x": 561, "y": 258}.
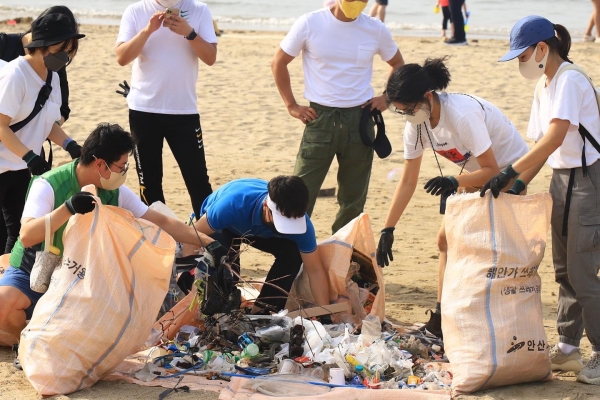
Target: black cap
{"x": 381, "y": 144}
{"x": 52, "y": 29}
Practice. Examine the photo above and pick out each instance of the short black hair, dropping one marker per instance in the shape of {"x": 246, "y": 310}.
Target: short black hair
{"x": 290, "y": 193}
{"x": 71, "y": 44}
{"x": 108, "y": 142}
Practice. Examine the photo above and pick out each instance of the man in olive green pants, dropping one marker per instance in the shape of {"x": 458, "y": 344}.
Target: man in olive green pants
{"x": 338, "y": 45}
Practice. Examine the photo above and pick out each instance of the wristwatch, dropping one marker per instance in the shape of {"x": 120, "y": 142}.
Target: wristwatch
{"x": 192, "y": 35}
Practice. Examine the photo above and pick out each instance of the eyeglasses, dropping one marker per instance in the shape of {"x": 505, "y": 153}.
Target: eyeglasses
{"x": 410, "y": 112}
{"x": 123, "y": 169}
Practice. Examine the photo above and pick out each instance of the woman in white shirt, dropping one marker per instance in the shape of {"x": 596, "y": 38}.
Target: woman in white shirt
{"x": 565, "y": 123}
{"x": 21, "y": 80}
{"x": 465, "y": 129}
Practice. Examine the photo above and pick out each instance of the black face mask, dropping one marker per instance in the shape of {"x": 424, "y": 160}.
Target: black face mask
{"x": 55, "y": 62}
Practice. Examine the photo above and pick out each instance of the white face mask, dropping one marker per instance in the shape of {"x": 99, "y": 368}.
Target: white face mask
{"x": 116, "y": 178}
{"x": 532, "y": 69}
{"x": 168, "y": 3}
{"x": 420, "y": 116}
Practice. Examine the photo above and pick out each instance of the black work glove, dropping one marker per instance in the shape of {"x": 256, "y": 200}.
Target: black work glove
{"x": 36, "y": 164}
{"x": 517, "y": 187}
{"x": 441, "y": 184}
{"x": 80, "y": 203}
{"x": 384, "y": 248}
{"x": 500, "y": 181}
{"x": 74, "y": 149}
{"x": 218, "y": 252}
{"x": 125, "y": 87}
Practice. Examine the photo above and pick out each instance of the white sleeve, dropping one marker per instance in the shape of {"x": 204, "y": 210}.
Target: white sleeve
{"x": 127, "y": 30}
{"x": 12, "y": 91}
{"x": 387, "y": 47}
{"x": 568, "y": 97}
{"x": 129, "y": 201}
{"x": 413, "y": 147}
{"x": 40, "y": 199}
{"x": 295, "y": 40}
{"x": 204, "y": 26}
{"x": 473, "y": 133}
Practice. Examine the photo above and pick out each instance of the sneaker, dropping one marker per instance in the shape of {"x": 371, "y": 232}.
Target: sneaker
{"x": 434, "y": 325}
{"x": 591, "y": 372}
{"x": 588, "y": 38}
{"x": 565, "y": 362}
{"x": 454, "y": 42}
{"x": 16, "y": 362}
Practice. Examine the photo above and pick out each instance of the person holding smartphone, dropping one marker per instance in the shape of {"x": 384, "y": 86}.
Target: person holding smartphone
{"x": 165, "y": 39}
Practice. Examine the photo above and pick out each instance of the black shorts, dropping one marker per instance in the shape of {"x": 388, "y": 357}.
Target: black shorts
{"x": 382, "y": 2}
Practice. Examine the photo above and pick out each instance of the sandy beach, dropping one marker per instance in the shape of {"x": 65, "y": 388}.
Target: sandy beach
{"x": 248, "y": 133}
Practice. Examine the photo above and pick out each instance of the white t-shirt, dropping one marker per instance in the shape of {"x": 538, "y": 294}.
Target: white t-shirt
{"x": 337, "y": 56}
{"x": 40, "y": 200}
{"x": 465, "y": 132}
{"x": 164, "y": 75}
{"x": 19, "y": 89}
{"x": 571, "y": 98}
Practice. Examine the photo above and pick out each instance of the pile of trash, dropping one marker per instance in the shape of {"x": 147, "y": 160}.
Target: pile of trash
{"x": 301, "y": 351}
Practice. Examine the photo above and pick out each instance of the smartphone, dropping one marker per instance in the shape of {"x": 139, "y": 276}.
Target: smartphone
{"x": 171, "y": 11}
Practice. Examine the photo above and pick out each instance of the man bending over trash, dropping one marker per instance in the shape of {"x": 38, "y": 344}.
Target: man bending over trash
{"x": 271, "y": 217}
{"x": 104, "y": 164}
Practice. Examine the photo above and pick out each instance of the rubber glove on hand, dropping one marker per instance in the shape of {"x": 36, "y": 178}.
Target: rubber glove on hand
{"x": 517, "y": 187}
{"x": 218, "y": 253}
{"x": 500, "y": 181}
{"x": 74, "y": 150}
{"x": 81, "y": 203}
{"x": 36, "y": 164}
{"x": 441, "y": 184}
{"x": 384, "y": 248}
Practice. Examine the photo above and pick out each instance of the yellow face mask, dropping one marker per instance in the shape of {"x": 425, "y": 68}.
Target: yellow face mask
{"x": 352, "y": 9}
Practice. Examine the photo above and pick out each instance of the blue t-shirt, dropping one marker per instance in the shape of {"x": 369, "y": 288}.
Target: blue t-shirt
{"x": 237, "y": 206}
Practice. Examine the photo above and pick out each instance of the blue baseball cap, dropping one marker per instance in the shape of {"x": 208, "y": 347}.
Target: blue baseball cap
{"x": 527, "y": 32}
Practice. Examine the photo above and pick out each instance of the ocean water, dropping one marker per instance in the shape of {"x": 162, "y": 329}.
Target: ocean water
{"x": 489, "y": 18}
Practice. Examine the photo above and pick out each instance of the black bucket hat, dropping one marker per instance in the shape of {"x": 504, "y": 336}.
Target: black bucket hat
{"x": 381, "y": 144}
{"x": 52, "y": 29}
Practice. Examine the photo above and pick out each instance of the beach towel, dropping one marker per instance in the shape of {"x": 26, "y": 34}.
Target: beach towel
{"x": 101, "y": 302}
{"x": 491, "y": 303}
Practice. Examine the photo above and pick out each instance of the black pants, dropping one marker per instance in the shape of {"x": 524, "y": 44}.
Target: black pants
{"x": 447, "y": 17}
{"x": 283, "y": 272}
{"x": 457, "y": 19}
{"x": 184, "y": 136}
{"x": 13, "y": 190}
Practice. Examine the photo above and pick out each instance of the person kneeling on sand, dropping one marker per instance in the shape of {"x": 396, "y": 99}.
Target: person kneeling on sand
{"x": 271, "y": 217}
{"x": 467, "y": 130}
{"x": 104, "y": 164}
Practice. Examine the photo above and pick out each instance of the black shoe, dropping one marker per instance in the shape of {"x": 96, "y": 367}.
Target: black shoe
{"x": 16, "y": 362}
{"x": 434, "y": 326}
{"x": 455, "y": 42}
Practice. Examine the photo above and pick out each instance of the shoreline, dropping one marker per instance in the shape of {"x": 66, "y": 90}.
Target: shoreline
{"x": 249, "y": 133}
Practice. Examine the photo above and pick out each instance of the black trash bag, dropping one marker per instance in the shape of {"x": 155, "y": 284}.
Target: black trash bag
{"x": 222, "y": 296}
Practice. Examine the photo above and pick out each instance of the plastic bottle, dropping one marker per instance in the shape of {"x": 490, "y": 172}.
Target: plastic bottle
{"x": 355, "y": 363}
{"x": 250, "y": 351}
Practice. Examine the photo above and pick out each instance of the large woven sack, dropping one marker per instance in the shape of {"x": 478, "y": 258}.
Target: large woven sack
{"x": 491, "y": 304}
{"x": 101, "y": 303}
{"x": 336, "y": 253}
